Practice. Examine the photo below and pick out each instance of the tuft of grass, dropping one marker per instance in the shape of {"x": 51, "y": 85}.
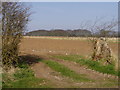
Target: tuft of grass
{"x": 23, "y": 73}
{"x": 109, "y": 69}
{"x": 24, "y": 78}
{"x": 65, "y": 71}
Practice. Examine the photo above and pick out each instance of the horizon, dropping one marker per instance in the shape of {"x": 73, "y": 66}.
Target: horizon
{"x": 65, "y": 30}
{"x": 68, "y": 15}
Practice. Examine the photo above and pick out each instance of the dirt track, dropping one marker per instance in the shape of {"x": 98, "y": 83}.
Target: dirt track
{"x": 100, "y": 80}
{"x": 43, "y": 47}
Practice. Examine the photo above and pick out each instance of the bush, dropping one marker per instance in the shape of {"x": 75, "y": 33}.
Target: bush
{"x": 14, "y": 19}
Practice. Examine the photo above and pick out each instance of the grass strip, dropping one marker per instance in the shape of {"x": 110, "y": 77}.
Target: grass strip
{"x": 65, "y": 71}
{"x": 109, "y": 69}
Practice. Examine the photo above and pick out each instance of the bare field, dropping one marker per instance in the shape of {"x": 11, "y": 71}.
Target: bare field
{"x": 53, "y": 67}
{"x": 60, "y": 45}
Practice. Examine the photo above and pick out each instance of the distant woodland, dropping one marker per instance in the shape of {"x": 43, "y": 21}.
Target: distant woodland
{"x": 72, "y": 33}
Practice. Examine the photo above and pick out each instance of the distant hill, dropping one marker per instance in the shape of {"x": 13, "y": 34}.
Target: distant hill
{"x": 59, "y": 32}
{"x": 72, "y": 33}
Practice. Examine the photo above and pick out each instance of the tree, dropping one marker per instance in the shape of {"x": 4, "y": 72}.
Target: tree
{"x": 81, "y": 33}
{"x": 15, "y": 16}
{"x": 100, "y": 47}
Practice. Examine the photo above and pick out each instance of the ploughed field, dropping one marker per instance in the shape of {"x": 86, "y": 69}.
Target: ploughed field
{"x": 62, "y": 62}
{"x": 61, "y": 45}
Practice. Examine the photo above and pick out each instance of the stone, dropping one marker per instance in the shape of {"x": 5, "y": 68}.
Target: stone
{"x": 102, "y": 50}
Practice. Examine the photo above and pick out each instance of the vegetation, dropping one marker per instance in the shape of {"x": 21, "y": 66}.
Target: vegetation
{"x": 15, "y": 16}
{"x": 14, "y": 19}
{"x": 95, "y": 65}
{"x": 65, "y": 71}
{"x": 71, "y": 33}
{"x": 24, "y": 78}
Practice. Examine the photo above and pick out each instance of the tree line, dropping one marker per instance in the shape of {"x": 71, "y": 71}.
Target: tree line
{"x": 72, "y": 33}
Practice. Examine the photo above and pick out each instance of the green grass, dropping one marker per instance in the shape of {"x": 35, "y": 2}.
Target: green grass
{"x": 29, "y": 82}
{"x": 109, "y": 69}
{"x": 65, "y": 71}
{"x": 24, "y": 78}
{"x": 23, "y": 73}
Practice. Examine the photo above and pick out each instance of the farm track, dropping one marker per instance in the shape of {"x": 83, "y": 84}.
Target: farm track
{"x": 45, "y": 47}
{"x": 43, "y": 71}
{"x": 83, "y": 70}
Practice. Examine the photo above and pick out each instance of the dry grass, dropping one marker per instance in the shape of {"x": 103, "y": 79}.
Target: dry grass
{"x": 67, "y": 38}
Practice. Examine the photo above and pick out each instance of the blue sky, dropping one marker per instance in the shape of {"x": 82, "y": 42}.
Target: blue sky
{"x": 68, "y": 15}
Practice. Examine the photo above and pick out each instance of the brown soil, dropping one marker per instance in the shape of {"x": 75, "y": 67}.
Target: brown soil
{"x": 83, "y": 70}
{"x": 52, "y": 46}
{"x": 43, "y": 71}
{"x": 44, "y": 47}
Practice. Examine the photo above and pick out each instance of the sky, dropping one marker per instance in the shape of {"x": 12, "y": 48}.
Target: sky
{"x": 68, "y": 15}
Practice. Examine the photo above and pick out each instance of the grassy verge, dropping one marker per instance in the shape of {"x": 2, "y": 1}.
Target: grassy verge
{"x": 65, "y": 71}
{"x": 27, "y": 81}
{"x": 24, "y": 78}
{"x": 109, "y": 69}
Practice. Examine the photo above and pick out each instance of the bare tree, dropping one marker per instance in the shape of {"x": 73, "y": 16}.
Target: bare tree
{"x": 100, "y": 47}
{"x": 14, "y": 19}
